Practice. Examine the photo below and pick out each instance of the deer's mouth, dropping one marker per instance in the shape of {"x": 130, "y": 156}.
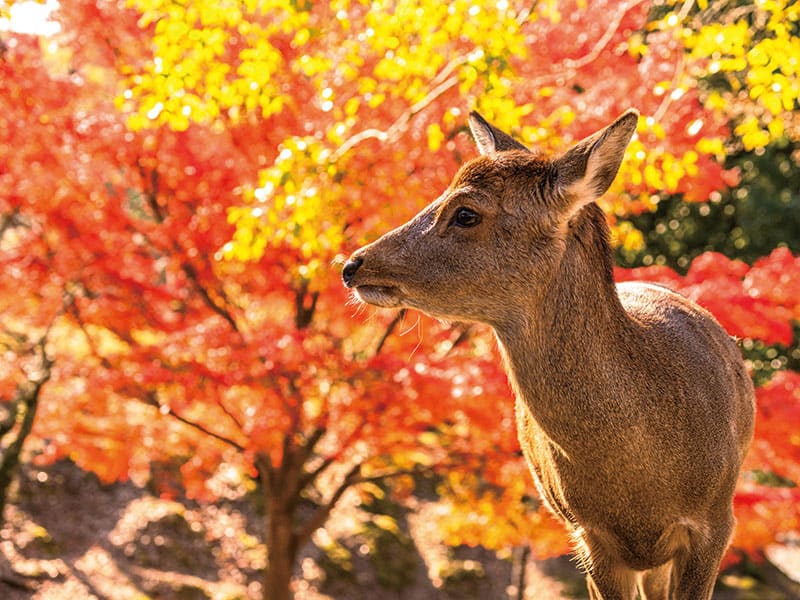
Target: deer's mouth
{"x": 379, "y": 295}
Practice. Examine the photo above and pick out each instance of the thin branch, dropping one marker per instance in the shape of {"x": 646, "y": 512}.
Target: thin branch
{"x": 312, "y": 440}
{"x": 11, "y": 579}
{"x": 352, "y": 478}
{"x": 16, "y": 337}
{"x": 684, "y": 12}
{"x": 659, "y": 113}
{"x": 573, "y": 64}
{"x": 464, "y": 333}
{"x": 525, "y": 14}
{"x": 389, "y": 330}
{"x": 416, "y": 470}
{"x": 442, "y": 83}
{"x": 150, "y": 191}
{"x": 319, "y": 518}
{"x": 310, "y": 476}
{"x": 191, "y": 274}
{"x": 152, "y": 399}
{"x": 229, "y": 414}
{"x": 75, "y": 312}
{"x": 71, "y": 307}
{"x": 600, "y": 45}
{"x": 680, "y": 66}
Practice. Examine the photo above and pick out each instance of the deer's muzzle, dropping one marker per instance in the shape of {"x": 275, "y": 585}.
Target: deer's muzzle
{"x": 349, "y": 271}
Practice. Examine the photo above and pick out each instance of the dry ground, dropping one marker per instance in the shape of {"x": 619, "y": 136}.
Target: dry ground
{"x": 67, "y": 537}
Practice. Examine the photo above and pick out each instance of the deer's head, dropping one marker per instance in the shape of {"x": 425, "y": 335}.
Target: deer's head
{"x": 490, "y": 244}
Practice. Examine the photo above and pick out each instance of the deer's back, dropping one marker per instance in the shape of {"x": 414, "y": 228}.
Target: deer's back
{"x": 697, "y": 371}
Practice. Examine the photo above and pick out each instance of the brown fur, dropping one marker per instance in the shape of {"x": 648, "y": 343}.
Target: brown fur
{"x": 634, "y": 408}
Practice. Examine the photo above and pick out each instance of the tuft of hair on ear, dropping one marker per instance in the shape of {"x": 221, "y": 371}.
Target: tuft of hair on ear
{"x": 586, "y": 170}
{"x": 489, "y": 139}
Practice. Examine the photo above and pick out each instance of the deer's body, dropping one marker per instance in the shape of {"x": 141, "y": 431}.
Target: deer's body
{"x": 634, "y": 408}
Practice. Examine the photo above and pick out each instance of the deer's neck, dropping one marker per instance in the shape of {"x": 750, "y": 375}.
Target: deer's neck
{"x": 559, "y": 357}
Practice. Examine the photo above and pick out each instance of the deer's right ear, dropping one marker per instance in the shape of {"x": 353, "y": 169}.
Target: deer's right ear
{"x": 586, "y": 171}
{"x": 489, "y": 139}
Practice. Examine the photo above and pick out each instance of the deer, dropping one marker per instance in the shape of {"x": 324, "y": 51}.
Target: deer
{"x": 634, "y": 407}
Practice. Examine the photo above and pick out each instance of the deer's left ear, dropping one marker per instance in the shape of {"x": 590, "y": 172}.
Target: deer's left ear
{"x": 586, "y": 171}
{"x": 489, "y": 139}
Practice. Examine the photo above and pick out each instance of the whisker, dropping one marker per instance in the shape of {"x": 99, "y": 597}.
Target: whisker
{"x": 338, "y": 260}
{"x": 413, "y": 325}
{"x": 420, "y": 336}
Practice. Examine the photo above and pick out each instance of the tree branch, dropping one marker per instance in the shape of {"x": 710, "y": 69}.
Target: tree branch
{"x": 390, "y": 329}
{"x": 308, "y": 477}
{"x": 152, "y": 399}
{"x": 665, "y": 103}
{"x": 150, "y": 191}
{"x": 229, "y": 414}
{"x": 27, "y": 397}
{"x": 304, "y": 311}
{"x": 319, "y": 518}
{"x": 312, "y": 440}
{"x": 680, "y": 66}
{"x": 442, "y": 83}
{"x": 191, "y": 274}
{"x": 352, "y": 478}
{"x": 75, "y": 312}
{"x": 601, "y": 43}
{"x": 464, "y": 333}
{"x": 573, "y": 64}
{"x": 417, "y": 470}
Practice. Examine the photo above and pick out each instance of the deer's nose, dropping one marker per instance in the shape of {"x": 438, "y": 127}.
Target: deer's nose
{"x": 350, "y": 269}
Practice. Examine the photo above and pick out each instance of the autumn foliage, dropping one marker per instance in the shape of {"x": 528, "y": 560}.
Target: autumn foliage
{"x": 178, "y": 182}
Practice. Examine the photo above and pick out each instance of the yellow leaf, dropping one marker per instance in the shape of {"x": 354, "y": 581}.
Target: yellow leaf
{"x": 351, "y": 106}
{"x": 435, "y": 137}
{"x": 772, "y": 102}
{"x": 776, "y": 128}
{"x": 386, "y": 523}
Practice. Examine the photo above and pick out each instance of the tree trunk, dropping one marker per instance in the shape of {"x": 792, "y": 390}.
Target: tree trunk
{"x": 519, "y": 566}
{"x": 25, "y": 404}
{"x": 282, "y": 554}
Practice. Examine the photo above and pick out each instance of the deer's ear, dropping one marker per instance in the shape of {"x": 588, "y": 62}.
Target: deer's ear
{"x": 489, "y": 139}
{"x": 586, "y": 171}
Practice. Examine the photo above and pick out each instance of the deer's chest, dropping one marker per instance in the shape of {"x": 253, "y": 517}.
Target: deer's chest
{"x": 583, "y": 492}
{"x": 575, "y": 489}
{"x": 546, "y": 463}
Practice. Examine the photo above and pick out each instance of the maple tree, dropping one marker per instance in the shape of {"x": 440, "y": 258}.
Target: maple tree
{"x": 177, "y": 183}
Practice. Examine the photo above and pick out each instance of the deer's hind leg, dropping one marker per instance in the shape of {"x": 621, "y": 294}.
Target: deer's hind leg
{"x": 612, "y": 583}
{"x": 696, "y": 568}
{"x": 656, "y": 583}
{"x": 607, "y": 577}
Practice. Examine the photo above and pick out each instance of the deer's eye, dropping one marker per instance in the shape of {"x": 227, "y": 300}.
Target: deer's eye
{"x": 466, "y": 217}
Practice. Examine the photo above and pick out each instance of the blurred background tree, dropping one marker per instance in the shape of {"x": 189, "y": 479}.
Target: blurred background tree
{"x": 179, "y": 181}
